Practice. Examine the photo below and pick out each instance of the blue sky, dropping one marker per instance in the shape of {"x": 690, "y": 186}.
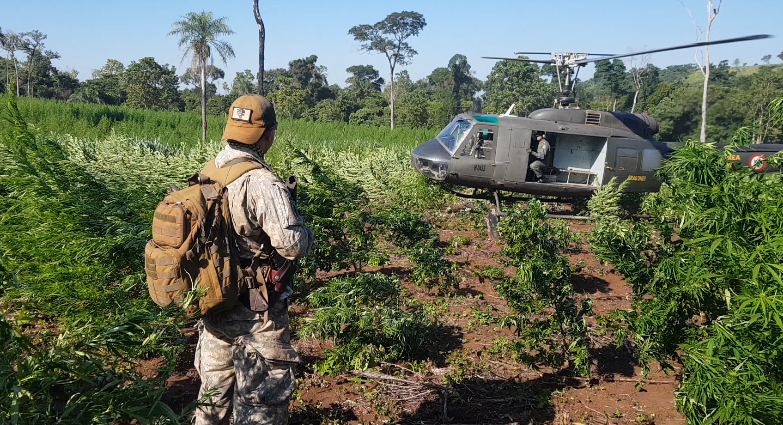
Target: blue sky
{"x": 88, "y": 32}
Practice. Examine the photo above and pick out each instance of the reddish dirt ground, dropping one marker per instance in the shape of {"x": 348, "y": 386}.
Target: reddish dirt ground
{"x": 491, "y": 387}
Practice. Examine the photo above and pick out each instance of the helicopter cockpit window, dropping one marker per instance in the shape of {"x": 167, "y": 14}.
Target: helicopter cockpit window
{"x": 479, "y": 144}
{"x": 453, "y": 135}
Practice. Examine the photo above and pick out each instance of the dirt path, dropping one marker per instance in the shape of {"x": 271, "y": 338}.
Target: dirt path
{"x": 469, "y": 379}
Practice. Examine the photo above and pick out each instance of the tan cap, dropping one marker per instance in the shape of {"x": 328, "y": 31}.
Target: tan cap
{"x": 249, "y": 116}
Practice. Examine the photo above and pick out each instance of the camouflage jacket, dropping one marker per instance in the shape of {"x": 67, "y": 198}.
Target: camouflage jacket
{"x": 261, "y": 207}
{"x": 542, "y": 151}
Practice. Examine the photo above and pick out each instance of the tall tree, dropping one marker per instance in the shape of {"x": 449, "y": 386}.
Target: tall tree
{"x": 780, "y": 56}
{"x": 305, "y": 71}
{"x": 261, "y": 40}
{"x": 112, "y": 69}
{"x": 517, "y": 83}
{"x": 290, "y": 99}
{"x": 192, "y": 77}
{"x": 364, "y": 76}
{"x": 388, "y": 37}
{"x": 150, "y": 85}
{"x": 243, "y": 84}
{"x": 105, "y": 86}
{"x": 610, "y": 75}
{"x": 198, "y": 33}
{"x": 33, "y": 42}
{"x": 11, "y": 43}
{"x": 465, "y": 84}
{"x": 766, "y": 59}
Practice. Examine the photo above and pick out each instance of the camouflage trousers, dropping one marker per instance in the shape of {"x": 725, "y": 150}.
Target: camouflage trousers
{"x": 538, "y": 168}
{"x": 246, "y": 366}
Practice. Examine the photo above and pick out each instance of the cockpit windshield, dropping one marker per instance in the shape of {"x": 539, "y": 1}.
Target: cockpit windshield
{"x": 452, "y": 136}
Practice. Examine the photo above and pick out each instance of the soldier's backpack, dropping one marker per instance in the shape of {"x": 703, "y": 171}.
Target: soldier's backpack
{"x": 193, "y": 242}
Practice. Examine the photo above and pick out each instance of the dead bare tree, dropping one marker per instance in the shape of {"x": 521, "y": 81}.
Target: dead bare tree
{"x": 639, "y": 65}
{"x": 261, "y": 39}
{"x": 712, "y": 13}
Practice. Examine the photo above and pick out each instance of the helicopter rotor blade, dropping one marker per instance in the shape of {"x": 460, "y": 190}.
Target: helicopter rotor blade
{"x": 519, "y": 59}
{"x": 547, "y": 53}
{"x": 686, "y": 46}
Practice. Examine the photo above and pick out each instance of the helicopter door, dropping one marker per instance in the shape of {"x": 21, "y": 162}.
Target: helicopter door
{"x": 475, "y": 158}
{"x": 518, "y": 154}
{"x": 622, "y": 160}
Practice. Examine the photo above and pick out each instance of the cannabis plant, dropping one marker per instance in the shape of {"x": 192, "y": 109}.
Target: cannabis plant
{"x": 706, "y": 275}
{"x": 369, "y": 321}
{"x": 550, "y": 321}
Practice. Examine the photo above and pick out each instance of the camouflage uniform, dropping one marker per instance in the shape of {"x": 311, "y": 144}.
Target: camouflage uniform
{"x": 243, "y": 361}
{"x": 538, "y": 167}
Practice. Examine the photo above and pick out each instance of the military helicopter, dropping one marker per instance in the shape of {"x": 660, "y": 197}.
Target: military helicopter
{"x": 587, "y": 148}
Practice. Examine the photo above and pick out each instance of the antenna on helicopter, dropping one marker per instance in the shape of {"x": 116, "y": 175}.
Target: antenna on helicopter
{"x": 569, "y": 61}
{"x": 508, "y": 113}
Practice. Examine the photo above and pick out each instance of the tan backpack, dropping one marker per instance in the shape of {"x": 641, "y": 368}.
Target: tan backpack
{"x": 193, "y": 242}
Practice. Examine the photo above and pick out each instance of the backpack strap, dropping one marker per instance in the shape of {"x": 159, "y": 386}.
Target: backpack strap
{"x": 231, "y": 171}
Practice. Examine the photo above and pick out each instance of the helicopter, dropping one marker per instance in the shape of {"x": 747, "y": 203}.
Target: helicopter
{"x": 587, "y": 147}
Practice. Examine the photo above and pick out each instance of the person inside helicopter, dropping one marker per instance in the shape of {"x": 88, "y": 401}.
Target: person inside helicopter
{"x": 539, "y": 165}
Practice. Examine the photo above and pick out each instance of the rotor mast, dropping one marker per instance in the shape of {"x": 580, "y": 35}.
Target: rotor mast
{"x": 564, "y": 62}
{"x": 568, "y": 61}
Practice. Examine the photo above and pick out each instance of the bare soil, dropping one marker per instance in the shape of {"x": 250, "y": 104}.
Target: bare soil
{"x": 465, "y": 380}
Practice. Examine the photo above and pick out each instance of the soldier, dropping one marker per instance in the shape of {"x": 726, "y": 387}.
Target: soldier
{"x": 244, "y": 357}
{"x": 538, "y": 166}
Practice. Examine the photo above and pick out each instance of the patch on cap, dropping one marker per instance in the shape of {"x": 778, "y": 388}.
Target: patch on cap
{"x": 241, "y": 114}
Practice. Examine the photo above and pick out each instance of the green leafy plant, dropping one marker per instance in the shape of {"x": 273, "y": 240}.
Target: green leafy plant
{"x": 403, "y": 227}
{"x": 706, "y": 275}
{"x": 489, "y": 272}
{"x": 369, "y": 321}
{"x": 484, "y": 317}
{"x": 606, "y": 200}
{"x": 72, "y": 231}
{"x": 549, "y": 319}
{"x": 460, "y": 240}
{"x": 430, "y": 269}
{"x": 84, "y": 376}
{"x": 336, "y": 210}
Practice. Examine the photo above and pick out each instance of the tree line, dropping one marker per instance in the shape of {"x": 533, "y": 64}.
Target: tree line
{"x": 739, "y": 94}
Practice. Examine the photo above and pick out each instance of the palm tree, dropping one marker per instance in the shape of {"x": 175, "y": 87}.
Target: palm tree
{"x": 198, "y": 35}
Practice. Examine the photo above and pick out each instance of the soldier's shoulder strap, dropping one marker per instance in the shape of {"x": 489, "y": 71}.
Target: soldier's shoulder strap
{"x": 232, "y": 170}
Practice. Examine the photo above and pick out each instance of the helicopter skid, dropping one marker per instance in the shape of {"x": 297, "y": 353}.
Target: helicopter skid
{"x": 556, "y": 189}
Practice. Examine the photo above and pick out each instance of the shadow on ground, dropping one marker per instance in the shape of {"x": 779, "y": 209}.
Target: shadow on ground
{"x": 587, "y": 284}
{"x": 492, "y": 401}
{"x": 612, "y": 361}
{"x": 309, "y": 415}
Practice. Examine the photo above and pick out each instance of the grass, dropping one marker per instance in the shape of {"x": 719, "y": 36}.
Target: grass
{"x": 169, "y": 128}
{"x": 378, "y": 159}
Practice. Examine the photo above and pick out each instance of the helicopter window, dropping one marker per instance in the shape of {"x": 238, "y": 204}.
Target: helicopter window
{"x": 479, "y": 143}
{"x": 486, "y": 134}
{"x": 651, "y": 159}
{"x": 453, "y": 135}
{"x": 626, "y": 159}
